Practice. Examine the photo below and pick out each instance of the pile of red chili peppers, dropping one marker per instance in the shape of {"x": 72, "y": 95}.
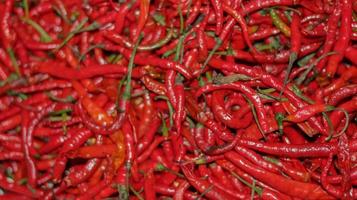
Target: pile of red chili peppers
{"x": 178, "y": 99}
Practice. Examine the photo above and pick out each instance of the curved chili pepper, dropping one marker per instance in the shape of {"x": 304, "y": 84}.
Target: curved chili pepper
{"x": 250, "y": 94}
{"x": 203, "y": 186}
{"x": 305, "y": 190}
{"x": 239, "y": 18}
{"x": 179, "y": 115}
{"x": 279, "y": 23}
{"x": 144, "y": 13}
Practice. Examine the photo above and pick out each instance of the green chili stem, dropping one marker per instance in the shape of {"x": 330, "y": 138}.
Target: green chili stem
{"x": 303, "y": 76}
{"x": 72, "y": 33}
{"x": 257, "y": 190}
{"x": 26, "y": 8}
{"x": 13, "y": 59}
{"x": 255, "y": 116}
{"x": 127, "y": 90}
{"x": 44, "y": 36}
{"x": 136, "y": 193}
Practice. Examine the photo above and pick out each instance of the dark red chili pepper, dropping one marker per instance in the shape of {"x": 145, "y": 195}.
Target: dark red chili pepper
{"x": 133, "y": 75}
{"x": 18, "y": 189}
{"x": 82, "y": 173}
{"x": 179, "y": 115}
{"x": 250, "y": 94}
{"x": 204, "y": 172}
{"x": 148, "y": 151}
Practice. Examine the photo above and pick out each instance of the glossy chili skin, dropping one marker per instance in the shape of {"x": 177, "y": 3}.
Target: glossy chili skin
{"x": 305, "y": 190}
{"x": 185, "y": 99}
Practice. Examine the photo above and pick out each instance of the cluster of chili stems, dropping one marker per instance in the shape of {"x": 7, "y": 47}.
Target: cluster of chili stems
{"x": 190, "y": 99}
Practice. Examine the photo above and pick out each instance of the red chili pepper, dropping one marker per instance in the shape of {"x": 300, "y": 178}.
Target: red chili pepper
{"x": 81, "y": 173}
{"x": 179, "y": 115}
{"x": 179, "y": 193}
{"x": 26, "y": 144}
{"x": 295, "y": 150}
{"x": 59, "y": 167}
{"x": 307, "y": 112}
{"x": 343, "y": 38}
{"x": 239, "y": 18}
{"x": 149, "y": 184}
{"x": 305, "y": 190}
{"x": 342, "y": 93}
{"x": 203, "y": 185}
{"x": 144, "y": 13}
{"x": 18, "y": 189}
{"x": 153, "y": 85}
{"x": 94, "y": 151}
{"x": 97, "y": 113}
{"x": 10, "y": 123}
{"x": 217, "y": 6}
{"x": 7, "y": 37}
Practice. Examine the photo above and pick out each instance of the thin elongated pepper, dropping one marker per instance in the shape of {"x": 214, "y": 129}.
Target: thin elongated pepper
{"x": 304, "y": 190}
{"x": 295, "y": 150}
{"x": 343, "y": 39}
{"x": 239, "y": 18}
{"x": 203, "y": 186}
{"x": 171, "y": 99}
{"x": 308, "y": 111}
{"x": 144, "y": 13}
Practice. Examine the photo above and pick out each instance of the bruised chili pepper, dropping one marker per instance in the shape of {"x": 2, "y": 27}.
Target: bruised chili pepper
{"x": 331, "y": 34}
{"x": 250, "y": 94}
